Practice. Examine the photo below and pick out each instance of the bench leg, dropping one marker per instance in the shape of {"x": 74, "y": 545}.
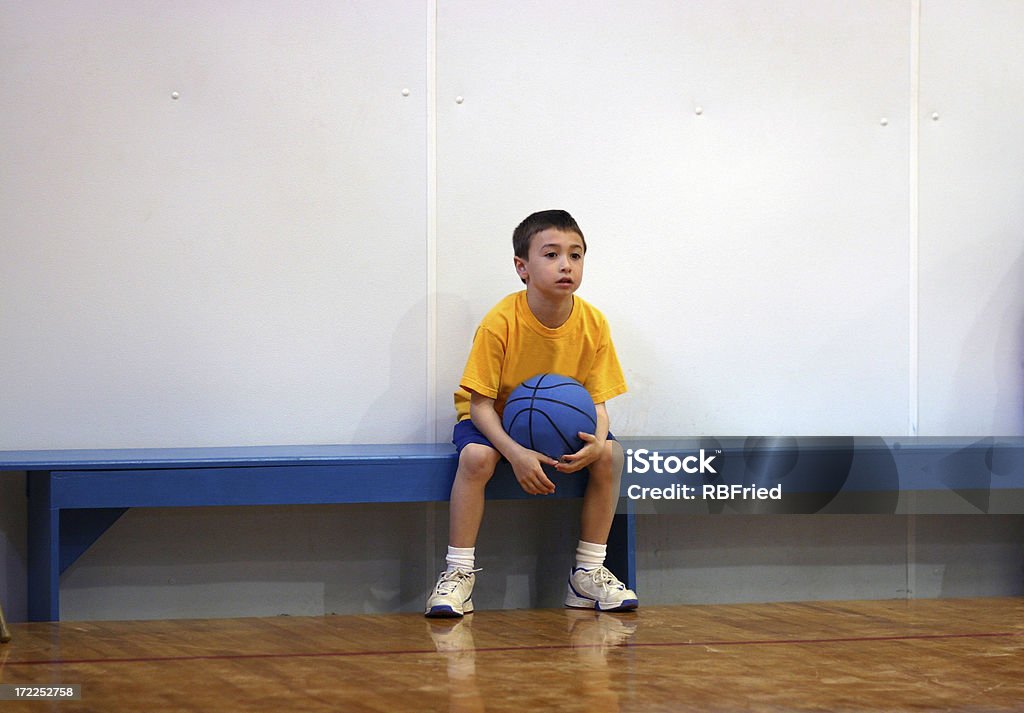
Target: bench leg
{"x": 43, "y": 551}
{"x": 5, "y": 633}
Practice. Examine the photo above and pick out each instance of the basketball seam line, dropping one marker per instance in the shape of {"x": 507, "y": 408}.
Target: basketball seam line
{"x": 550, "y": 401}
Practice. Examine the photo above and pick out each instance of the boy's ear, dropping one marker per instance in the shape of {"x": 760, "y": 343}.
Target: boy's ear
{"x": 520, "y": 268}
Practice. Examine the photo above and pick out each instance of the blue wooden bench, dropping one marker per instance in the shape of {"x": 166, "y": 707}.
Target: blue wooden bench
{"x": 76, "y": 495}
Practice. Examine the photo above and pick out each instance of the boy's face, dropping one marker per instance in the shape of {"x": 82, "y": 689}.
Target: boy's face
{"x": 555, "y": 263}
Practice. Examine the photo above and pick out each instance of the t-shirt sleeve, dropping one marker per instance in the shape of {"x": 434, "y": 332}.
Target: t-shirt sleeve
{"x": 606, "y": 378}
{"x": 483, "y": 368}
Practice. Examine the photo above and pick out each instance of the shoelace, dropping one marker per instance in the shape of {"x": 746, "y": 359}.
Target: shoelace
{"x": 450, "y": 580}
{"x": 604, "y": 578}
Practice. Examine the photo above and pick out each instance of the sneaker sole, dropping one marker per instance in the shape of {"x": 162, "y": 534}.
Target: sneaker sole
{"x": 624, "y": 605}
{"x": 574, "y": 602}
{"x": 446, "y": 611}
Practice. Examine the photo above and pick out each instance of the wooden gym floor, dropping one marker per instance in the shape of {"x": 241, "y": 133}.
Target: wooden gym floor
{"x": 948, "y": 655}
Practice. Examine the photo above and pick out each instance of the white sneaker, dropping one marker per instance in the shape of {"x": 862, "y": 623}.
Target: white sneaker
{"x": 599, "y": 589}
{"x": 453, "y": 593}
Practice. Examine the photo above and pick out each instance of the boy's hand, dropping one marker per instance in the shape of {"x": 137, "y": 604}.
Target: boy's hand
{"x": 586, "y": 455}
{"x": 526, "y": 465}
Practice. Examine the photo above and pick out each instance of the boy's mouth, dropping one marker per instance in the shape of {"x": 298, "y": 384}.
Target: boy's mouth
{"x": 565, "y": 281}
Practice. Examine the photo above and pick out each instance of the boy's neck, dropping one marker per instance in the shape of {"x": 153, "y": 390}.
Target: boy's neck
{"x": 552, "y": 314}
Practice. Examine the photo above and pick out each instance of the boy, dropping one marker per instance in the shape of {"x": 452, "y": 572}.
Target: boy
{"x": 543, "y": 329}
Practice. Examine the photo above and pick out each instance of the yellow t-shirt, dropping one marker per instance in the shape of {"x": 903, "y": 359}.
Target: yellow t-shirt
{"x": 511, "y": 345}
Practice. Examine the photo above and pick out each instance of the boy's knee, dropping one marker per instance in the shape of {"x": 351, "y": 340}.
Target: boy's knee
{"x": 611, "y": 460}
{"x": 477, "y": 462}
{"x": 613, "y": 454}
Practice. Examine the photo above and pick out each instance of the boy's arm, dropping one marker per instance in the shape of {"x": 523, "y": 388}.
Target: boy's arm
{"x": 593, "y": 444}
{"x": 526, "y": 464}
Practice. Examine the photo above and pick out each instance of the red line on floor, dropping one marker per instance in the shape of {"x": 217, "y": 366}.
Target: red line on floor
{"x": 542, "y": 647}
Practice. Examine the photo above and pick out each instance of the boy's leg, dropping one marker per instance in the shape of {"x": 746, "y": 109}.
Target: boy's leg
{"x": 466, "y": 505}
{"x": 602, "y": 494}
{"x": 452, "y": 595}
{"x": 591, "y": 585}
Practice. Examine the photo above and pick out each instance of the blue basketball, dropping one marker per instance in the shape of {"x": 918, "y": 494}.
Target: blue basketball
{"x": 545, "y": 412}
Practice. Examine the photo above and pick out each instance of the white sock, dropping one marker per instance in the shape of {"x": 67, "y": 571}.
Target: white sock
{"x": 460, "y": 557}
{"x": 590, "y": 555}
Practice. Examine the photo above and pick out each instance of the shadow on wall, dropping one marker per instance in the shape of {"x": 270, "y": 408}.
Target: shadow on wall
{"x": 643, "y": 410}
{"x": 425, "y": 418}
{"x": 458, "y": 319}
{"x": 998, "y": 329}
{"x": 432, "y": 415}
{"x": 405, "y": 392}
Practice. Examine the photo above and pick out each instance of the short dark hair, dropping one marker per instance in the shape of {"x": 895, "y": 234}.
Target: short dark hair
{"x": 537, "y": 222}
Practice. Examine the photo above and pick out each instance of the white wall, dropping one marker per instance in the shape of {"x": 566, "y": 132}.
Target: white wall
{"x": 972, "y": 219}
{"x": 731, "y": 249}
{"x": 244, "y": 264}
{"x": 295, "y": 250}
